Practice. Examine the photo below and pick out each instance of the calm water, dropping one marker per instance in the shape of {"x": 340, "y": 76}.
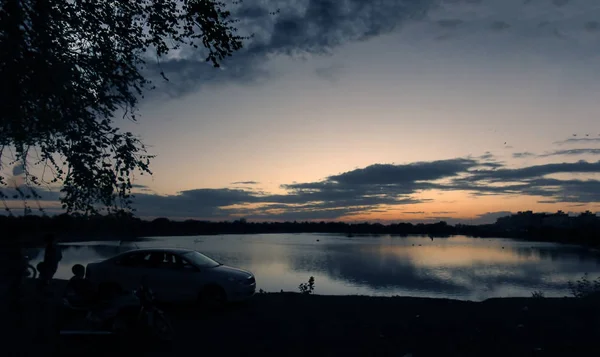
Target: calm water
{"x": 457, "y": 267}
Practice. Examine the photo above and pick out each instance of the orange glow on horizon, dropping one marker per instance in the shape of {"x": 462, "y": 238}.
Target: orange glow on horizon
{"x": 437, "y": 206}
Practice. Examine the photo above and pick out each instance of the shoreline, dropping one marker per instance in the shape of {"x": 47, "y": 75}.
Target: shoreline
{"x": 582, "y": 230}
{"x": 37, "y": 240}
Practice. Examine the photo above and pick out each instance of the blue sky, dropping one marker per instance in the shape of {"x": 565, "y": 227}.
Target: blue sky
{"x": 382, "y": 111}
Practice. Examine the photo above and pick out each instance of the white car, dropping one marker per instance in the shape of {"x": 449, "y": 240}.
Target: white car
{"x": 174, "y": 275}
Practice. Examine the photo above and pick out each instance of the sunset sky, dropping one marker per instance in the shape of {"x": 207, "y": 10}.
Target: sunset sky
{"x": 461, "y": 110}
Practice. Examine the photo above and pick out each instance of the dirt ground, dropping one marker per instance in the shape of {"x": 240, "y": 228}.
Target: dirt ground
{"x": 290, "y": 324}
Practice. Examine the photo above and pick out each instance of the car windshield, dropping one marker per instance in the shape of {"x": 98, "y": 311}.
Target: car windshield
{"x": 200, "y": 260}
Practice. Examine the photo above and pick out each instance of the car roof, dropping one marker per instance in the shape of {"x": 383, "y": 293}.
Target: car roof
{"x": 164, "y": 250}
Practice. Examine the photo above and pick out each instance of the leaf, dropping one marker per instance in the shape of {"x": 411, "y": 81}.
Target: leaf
{"x": 68, "y": 66}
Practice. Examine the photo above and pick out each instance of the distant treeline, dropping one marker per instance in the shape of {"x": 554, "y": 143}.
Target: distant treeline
{"x": 524, "y": 225}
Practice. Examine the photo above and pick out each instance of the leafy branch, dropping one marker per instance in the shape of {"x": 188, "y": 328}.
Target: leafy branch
{"x": 68, "y": 67}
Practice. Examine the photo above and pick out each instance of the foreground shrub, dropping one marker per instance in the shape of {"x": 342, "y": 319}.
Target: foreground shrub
{"x": 585, "y": 287}
{"x": 538, "y": 294}
{"x": 307, "y": 288}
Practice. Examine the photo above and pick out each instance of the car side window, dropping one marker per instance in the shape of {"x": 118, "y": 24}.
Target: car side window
{"x": 131, "y": 260}
{"x": 168, "y": 261}
{"x": 174, "y": 262}
{"x": 155, "y": 260}
{"x": 187, "y": 266}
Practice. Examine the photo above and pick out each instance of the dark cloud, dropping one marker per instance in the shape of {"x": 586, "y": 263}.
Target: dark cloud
{"x": 499, "y": 25}
{"x": 220, "y": 197}
{"x": 142, "y": 188}
{"x": 330, "y": 73}
{"x": 560, "y": 3}
{"x": 544, "y": 24}
{"x": 592, "y": 26}
{"x": 42, "y": 194}
{"x": 291, "y": 214}
{"x": 489, "y": 161}
{"x": 200, "y": 203}
{"x": 348, "y": 198}
{"x": 407, "y": 174}
{"x": 450, "y": 23}
{"x": 252, "y": 11}
{"x": 322, "y": 203}
{"x": 572, "y": 152}
{"x": 245, "y": 183}
{"x": 521, "y": 155}
{"x": 531, "y": 181}
{"x": 577, "y": 141}
{"x": 349, "y": 193}
{"x": 312, "y": 26}
{"x": 320, "y": 26}
{"x": 487, "y": 156}
{"x": 372, "y": 186}
{"x": 569, "y": 190}
{"x": 535, "y": 171}
{"x": 566, "y": 152}
{"x": 455, "y": 2}
{"x": 371, "y": 189}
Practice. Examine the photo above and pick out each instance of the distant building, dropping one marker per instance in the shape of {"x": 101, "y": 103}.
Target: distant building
{"x": 557, "y": 220}
{"x": 586, "y": 218}
{"x": 529, "y": 220}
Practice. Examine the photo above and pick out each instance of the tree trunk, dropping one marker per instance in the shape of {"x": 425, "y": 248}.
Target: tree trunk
{"x": 12, "y": 328}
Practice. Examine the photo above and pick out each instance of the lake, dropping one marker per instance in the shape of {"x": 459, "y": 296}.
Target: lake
{"x": 458, "y": 267}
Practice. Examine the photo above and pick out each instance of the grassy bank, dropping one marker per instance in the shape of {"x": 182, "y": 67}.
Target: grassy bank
{"x": 282, "y": 324}
{"x": 294, "y": 324}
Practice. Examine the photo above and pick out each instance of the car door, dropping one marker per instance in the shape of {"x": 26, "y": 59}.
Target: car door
{"x": 130, "y": 269}
{"x": 170, "y": 278}
{"x": 190, "y": 277}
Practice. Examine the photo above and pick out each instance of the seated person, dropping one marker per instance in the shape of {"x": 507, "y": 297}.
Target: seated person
{"x": 40, "y": 268}
{"x": 40, "y": 281}
{"x": 79, "y": 290}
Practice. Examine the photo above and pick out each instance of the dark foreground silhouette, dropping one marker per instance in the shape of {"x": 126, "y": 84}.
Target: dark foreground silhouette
{"x": 291, "y": 324}
{"x": 583, "y": 229}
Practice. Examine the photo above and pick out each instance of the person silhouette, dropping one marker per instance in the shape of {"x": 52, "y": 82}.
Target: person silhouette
{"x": 79, "y": 290}
{"x": 52, "y": 256}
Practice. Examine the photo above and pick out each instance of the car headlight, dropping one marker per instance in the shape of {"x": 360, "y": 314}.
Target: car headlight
{"x": 234, "y": 280}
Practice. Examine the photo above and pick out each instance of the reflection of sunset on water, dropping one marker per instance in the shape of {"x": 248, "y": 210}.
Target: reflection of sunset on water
{"x": 456, "y": 256}
{"x": 457, "y": 267}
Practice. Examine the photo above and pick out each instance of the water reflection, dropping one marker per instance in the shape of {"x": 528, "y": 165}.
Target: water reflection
{"x": 460, "y": 269}
{"x": 457, "y": 267}
{"x": 79, "y": 254}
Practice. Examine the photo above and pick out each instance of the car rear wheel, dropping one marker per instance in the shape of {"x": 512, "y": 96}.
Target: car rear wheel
{"x": 212, "y": 297}
{"x": 163, "y": 328}
{"x": 108, "y": 290}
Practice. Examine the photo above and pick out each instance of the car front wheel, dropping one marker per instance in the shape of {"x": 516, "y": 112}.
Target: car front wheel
{"x": 212, "y": 297}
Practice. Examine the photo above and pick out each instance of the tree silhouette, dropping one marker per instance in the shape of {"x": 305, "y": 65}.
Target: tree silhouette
{"x": 68, "y": 67}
